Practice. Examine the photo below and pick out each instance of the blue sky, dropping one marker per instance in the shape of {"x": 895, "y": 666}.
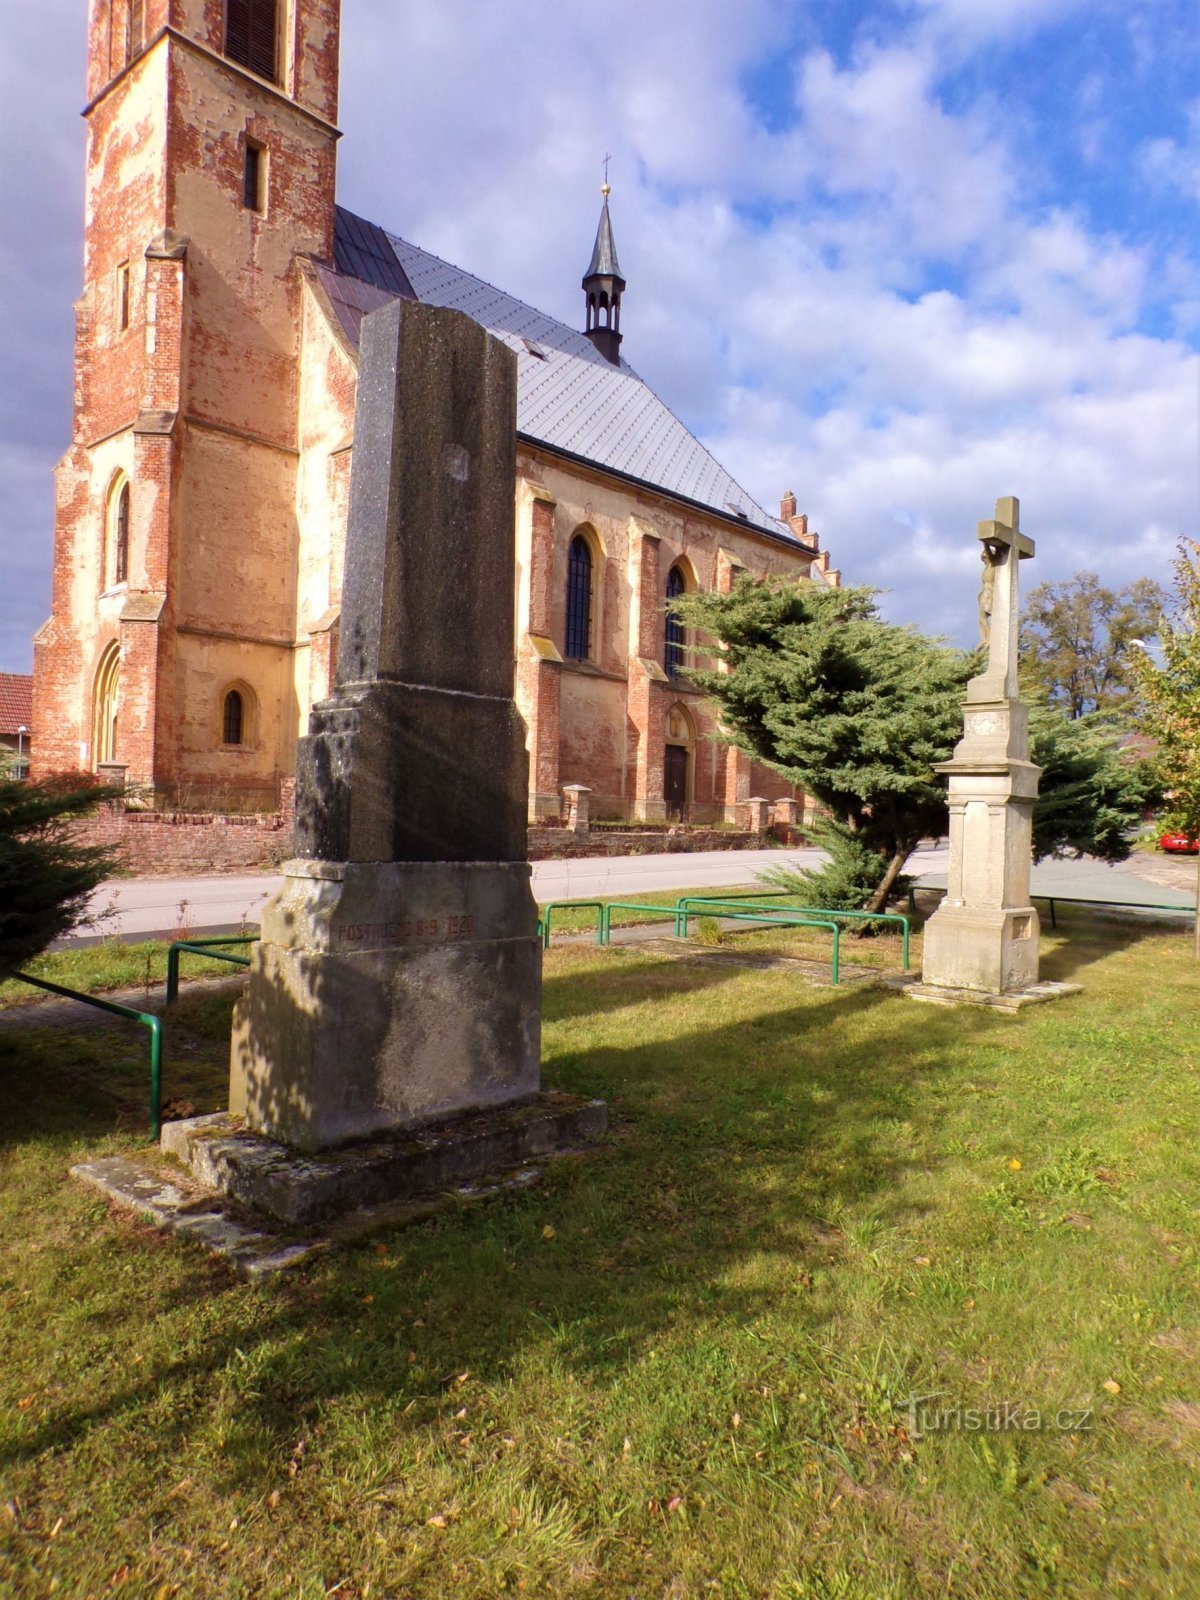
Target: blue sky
{"x": 901, "y": 258}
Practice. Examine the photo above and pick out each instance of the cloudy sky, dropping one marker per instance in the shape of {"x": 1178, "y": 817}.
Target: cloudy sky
{"x": 901, "y": 257}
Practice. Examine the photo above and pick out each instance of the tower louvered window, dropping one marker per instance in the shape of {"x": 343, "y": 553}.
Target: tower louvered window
{"x": 251, "y": 35}
{"x": 579, "y": 599}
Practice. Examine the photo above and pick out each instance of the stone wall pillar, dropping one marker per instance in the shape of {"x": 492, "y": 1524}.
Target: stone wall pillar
{"x": 648, "y": 681}
{"x": 758, "y": 809}
{"x": 578, "y": 797}
{"x": 787, "y": 813}
{"x": 737, "y": 784}
{"x": 539, "y": 663}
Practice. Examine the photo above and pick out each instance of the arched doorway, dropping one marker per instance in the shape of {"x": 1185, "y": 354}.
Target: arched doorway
{"x": 677, "y": 763}
{"x": 105, "y": 706}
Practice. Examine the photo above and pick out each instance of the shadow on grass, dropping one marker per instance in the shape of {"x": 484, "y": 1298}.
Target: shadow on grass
{"x": 729, "y": 1140}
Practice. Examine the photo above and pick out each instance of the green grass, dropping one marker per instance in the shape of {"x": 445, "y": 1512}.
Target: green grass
{"x": 95, "y": 968}
{"x": 678, "y": 1367}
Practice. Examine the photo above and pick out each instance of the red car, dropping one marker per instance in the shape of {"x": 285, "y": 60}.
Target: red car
{"x": 1180, "y": 844}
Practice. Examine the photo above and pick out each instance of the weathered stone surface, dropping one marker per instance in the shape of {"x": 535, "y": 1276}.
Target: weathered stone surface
{"x": 298, "y": 1190}
{"x": 385, "y": 996}
{"x": 396, "y": 773}
{"x": 398, "y": 977}
{"x": 1010, "y": 1002}
{"x": 420, "y": 753}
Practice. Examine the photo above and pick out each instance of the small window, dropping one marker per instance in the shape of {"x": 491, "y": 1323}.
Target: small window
{"x": 121, "y": 537}
{"x": 251, "y": 35}
{"x": 673, "y": 651}
{"x": 122, "y": 297}
{"x": 254, "y": 177}
{"x": 579, "y": 599}
{"x": 233, "y": 718}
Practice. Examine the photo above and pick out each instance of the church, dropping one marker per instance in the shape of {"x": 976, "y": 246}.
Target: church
{"x": 201, "y": 507}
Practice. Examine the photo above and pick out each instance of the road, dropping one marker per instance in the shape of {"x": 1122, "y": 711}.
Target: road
{"x": 144, "y": 908}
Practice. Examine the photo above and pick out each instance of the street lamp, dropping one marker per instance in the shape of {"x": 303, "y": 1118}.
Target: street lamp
{"x": 21, "y": 732}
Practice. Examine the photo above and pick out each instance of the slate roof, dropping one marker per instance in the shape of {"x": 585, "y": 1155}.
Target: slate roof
{"x": 604, "y": 263}
{"x": 16, "y": 702}
{"x": 569, "y": 397}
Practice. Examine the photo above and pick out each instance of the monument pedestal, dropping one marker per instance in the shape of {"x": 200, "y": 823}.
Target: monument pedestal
{"x": 386, "y": 995}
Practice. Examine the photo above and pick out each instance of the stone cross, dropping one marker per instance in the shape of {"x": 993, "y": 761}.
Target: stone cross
{"x": 1004, "y": 548}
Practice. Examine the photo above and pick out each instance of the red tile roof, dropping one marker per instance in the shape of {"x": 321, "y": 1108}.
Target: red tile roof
{"x": 16, "y": 701}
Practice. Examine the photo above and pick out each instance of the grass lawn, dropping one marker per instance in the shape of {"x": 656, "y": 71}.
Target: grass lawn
{"x": 678, "y": 1368}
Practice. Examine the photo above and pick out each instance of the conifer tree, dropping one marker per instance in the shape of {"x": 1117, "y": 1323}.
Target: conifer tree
{"x": 859, "y": 711}
{"x": 45, "y": 875}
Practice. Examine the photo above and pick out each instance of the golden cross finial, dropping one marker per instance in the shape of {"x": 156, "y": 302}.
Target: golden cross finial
{"x": 606, "y": 187}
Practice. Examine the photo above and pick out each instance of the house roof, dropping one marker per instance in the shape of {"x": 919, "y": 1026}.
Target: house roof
{"x": 16, "y": 702}
{"x": 570, "y": 398}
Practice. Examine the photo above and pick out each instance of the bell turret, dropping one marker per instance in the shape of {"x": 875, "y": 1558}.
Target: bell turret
{"x": 604, "y": 285}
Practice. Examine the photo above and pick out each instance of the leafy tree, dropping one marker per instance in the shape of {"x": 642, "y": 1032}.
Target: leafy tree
{"x": 1075, "y": 639}
{"x": 45, "y": 875}
{"x": 859, "y": 711}
{"x": 1169, "y": 700}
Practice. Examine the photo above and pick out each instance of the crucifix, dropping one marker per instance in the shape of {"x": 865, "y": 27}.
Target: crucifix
{"x": 1004, "y": 548}
{"x": 607, "y": 188}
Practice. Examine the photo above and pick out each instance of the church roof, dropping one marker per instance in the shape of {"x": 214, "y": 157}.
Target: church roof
{"x": 604, "y": 263}
{"x": 569, "y": 397}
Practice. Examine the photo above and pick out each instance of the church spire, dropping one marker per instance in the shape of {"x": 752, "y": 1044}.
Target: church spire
{"x": 603, "y": 285}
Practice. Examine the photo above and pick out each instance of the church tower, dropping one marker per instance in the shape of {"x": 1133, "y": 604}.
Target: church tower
{"x": 211, "y": 143}
{"x": 603, "y": 285}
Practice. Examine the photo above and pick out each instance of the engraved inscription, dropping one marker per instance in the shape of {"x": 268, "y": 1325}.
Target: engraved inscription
{"x": 410, "y": 930}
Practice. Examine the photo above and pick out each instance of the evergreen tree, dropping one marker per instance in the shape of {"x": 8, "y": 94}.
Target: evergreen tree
{"x": 45, "y": 876}
{"x": 858, "y": 712}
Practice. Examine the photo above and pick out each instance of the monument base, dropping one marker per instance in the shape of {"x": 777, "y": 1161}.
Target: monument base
{"x": 272, "y": 1180}
{"x": 991, "y": 951}
{"x": 937, "y": 994}
{"x": 386, "y": 995}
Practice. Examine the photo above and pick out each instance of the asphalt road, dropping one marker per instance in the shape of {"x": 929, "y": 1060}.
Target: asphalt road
{"x": 143, "y": 908}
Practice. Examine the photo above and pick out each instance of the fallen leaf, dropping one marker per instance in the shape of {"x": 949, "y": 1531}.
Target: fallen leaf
{"x": 736, "y": 1419}
{"x": 1111, "y": 1385}
{"x": 368, "y": 1300}
{"x": 674, "y": 1503}
{"x": 273, "y": 1499}
{"x": 547, "y": 1232}
{"x": 436, "y": 1522}
{"x": 1014, "y": 1165}
{"x": 921, "y": 1261}
{"x": 412, "y": 1356}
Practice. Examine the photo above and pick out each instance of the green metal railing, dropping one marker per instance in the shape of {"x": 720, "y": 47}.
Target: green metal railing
{"x": 690, "y": 906}
{"x": 633, "y": 905}
{"x": 203, "y": 947}
{"x": 146, "y": 1018}
{"x": 708, "y": 903}
{"x": 1069, "y": 900}
{"x": 572, "y": 905}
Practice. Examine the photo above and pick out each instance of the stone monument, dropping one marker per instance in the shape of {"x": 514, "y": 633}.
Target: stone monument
{"x": 981, "y": 945}
{"x": 396, "y": 986}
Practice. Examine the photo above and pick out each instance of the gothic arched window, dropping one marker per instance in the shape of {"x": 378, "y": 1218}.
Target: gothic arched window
{"x": 104, "y": 706}
{"x": 673, "y": 648}
{"x": 233, "y": 718}
{"x": 579, "y": 599}
{"x": 121, "y": 536}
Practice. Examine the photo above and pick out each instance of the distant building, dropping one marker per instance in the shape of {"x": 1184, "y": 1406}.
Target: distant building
{"x": 201, "y": 508}
{"x": 16, "y": 722}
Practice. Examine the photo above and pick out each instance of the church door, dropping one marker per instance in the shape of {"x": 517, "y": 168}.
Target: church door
{"x": 675, "y": 776}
